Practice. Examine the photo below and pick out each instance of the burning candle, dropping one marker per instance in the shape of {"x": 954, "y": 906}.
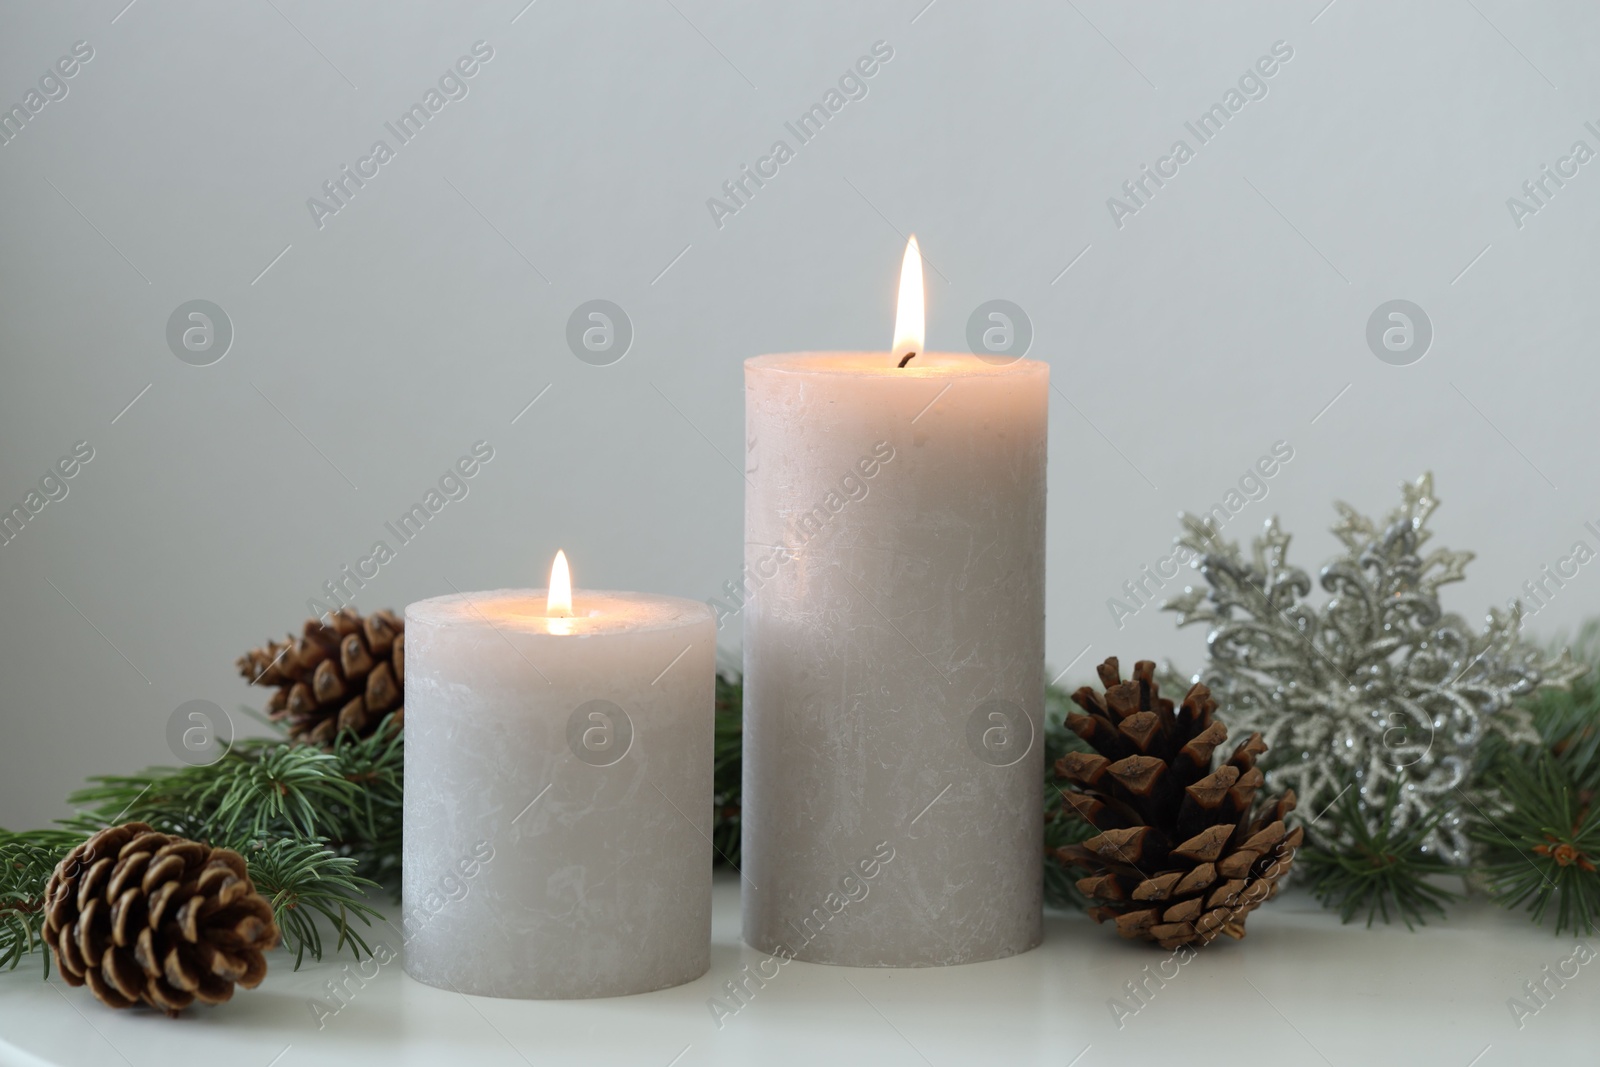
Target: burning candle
{"x": 558, "y": 791}
{"x": 894, "y": 651}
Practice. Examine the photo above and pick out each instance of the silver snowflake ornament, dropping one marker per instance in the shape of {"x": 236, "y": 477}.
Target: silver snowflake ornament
{"x": 1378, "y": 686}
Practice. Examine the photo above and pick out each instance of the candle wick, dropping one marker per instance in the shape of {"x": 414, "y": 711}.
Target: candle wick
{"x": 909, "y": 356}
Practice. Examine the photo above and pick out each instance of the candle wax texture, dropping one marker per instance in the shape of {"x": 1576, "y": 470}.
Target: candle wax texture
{"x": 558, "y": 794}
{"x": 894, "y": 657}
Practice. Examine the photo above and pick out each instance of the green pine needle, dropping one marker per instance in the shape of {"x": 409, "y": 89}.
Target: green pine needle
{"x": 258, "y": 787}
{"x": 727, "y": 769}
{"x": 26, "y": 860}
{"x": 265, "y": 788}
{"x": 301, "y": 878}
{"x": 305, "y": 820}
{"x": 1539, "y": 832}
{"x": 372, "y": 827}
{"x": 1568, "y": 720}
{"x": 1541, "y": 840}
{"x": 304, "y": 881}
{"x": 1383, "y": 871}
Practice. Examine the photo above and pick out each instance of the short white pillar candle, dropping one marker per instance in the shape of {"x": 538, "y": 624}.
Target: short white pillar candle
{"x": 558, "y": 793}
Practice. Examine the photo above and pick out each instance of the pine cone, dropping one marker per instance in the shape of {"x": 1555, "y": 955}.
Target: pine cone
{"x": 144, "y": 916}
{"x": 343, "y": 676}
{"x": 1180, "y": 857}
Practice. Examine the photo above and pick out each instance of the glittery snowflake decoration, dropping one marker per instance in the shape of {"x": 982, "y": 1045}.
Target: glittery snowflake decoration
{"x": 1376, "y": 686}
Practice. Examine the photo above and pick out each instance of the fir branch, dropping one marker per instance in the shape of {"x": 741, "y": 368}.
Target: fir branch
{"x": 1380, "y": 868}
{"x": 1539, "y": 837}
{"x": 1568, "y": 720}
{"x": 372, "y": 831}
{"x": 1541, "y": 842}
{"x": 727, "y": 763}
{"x": 178, "y": 800}
{"x": 301, "y": 877}
{"x": 305, "y": 820}
{"x": 288, "y": 784}
{"x": 26, "y": 860}
{"x": 350, "y": 796}
{"x": 304, "y": 880}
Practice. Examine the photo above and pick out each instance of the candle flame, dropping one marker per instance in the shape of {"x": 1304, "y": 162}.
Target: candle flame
{"x": 909, "y": 329}
{"x": 558, "y": 605}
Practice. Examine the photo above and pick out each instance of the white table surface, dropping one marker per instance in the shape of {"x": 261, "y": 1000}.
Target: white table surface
{"x": 1301, "y": 989}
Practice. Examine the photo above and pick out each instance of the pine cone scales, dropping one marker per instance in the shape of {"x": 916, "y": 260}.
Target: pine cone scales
{"x": 344, "y": 676}
{"x": 144, "y": 916}
{"x": 1184, "y": 852}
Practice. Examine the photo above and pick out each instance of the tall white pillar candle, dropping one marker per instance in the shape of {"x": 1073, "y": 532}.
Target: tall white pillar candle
{"x": 894, "y": 657}
{"x": 894, "y": 651}
{"x": 558, "y": 793}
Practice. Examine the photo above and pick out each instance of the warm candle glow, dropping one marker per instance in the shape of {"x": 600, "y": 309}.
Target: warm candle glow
{"x": 908, "y": 315}
{"x": 558, "y": 605}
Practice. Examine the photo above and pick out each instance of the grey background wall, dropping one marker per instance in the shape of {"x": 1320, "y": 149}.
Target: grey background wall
{"x": 1227, "y": 313}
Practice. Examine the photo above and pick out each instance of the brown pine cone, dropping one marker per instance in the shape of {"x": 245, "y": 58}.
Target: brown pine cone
{"x": 343, "y": 676}
{"x": 1184, "y": 852}
{"x": 144, "y": 916}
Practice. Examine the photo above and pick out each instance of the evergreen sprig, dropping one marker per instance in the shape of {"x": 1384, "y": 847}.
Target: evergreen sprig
{"x": 26, "y": 860}
{"x": 318, "y": 831}
{"x": 264, "y": 787}
{"x": 374, "y": 825}
{"x": 259, "y": 787}
{"x": 1539, "y": 839}
{"x": 301, "y": 877}
{"x": 1541, "y": 843}
{"x": 727, "y": 762}
{"x": 1568, "y": 720}
{"x": 304, "y": 880}
{"x": 1382, "y": 869}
